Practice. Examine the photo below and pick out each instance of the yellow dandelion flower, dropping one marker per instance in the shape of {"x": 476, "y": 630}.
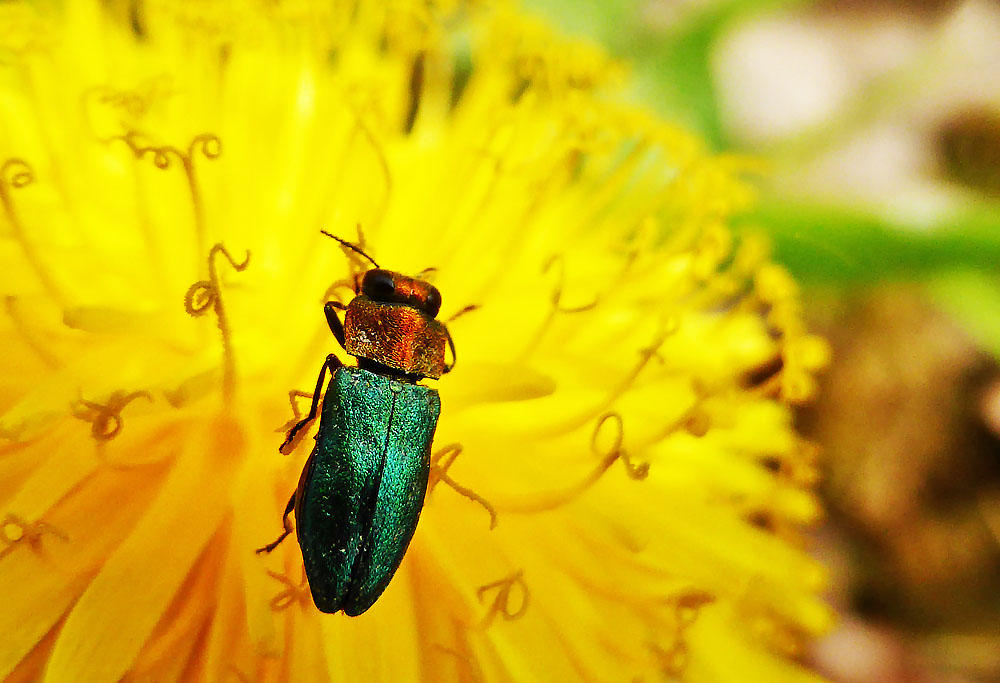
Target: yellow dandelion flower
{"x": 620, "y": 403}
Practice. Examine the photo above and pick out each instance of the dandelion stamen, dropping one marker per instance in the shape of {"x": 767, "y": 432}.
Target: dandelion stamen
{"x": 205, "y": 293}
{"x": 15, "y": 530}
{"x": 371, "y": 136}
{"x": 545, "y": 502}
{"x": 341, "y": 291}
{"x": 321, "y": 333}
{"x": 26, "y": 333}
{"x": 499, "y": 163}
{"x": 638, "y": 242}
{"x": 293, "y": 593}
{"x": 501, "y": 604}
{"x": 462, "y": 311}
{"x": 106, "y": 419}
{"x": 416, "y": 86}
{"x": 338, "y": 285}
{"x": 695, "y": 421}
{"x": 239, "y": 674}
{"x": 472, "y": 664}
{"x": 613, "y": 186}
{"x": 557, "y": 291}
{"x": 635, "y": 471}
{"x": 210, "y": 147}
{"x": 12, "y": 433}
{"x": 673, "y": 660}
{"x": 193, "y": 387}
{"x": 557, "y": 305}
{"x": 667, "y": 328}
{"x": 548, "y": 501}
{"x": 426, "y": 273}
{"x": 357, "y": 251}
{"x": 16, "y": 174}
{"x": 440, "y": 462}
{"x": 134, "y": 104}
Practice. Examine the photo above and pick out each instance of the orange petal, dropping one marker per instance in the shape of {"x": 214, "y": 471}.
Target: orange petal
{"x": 108, "y": 626}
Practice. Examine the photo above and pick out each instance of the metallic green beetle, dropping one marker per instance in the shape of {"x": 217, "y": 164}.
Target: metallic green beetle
{"x": 361, "y": 492}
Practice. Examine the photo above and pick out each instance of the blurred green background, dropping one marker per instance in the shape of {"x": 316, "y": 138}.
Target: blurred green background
{"x": 878, "y": 122}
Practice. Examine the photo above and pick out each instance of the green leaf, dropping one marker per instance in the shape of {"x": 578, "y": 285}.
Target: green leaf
{"x": 840, "y": 245}
{"x": 973, "y": 299}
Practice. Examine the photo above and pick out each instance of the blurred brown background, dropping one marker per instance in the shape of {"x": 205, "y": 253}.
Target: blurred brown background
{"x": 879, "y": 122}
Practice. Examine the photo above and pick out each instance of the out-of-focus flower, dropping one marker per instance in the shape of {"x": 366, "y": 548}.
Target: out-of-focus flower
{"x": 621, "y": 398}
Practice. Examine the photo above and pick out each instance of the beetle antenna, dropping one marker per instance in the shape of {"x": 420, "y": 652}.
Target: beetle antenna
{"x": 352, "y": 247}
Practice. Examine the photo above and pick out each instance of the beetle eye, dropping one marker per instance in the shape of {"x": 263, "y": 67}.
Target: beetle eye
{"x": 432, "y": 304}
{"x": 378, "y": 285}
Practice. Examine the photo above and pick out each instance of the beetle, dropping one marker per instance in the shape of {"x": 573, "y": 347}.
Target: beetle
{"x": 362, "y": 489}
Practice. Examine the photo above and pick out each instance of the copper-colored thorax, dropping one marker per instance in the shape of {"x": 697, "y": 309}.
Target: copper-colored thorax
{"x": 395, "y": 335}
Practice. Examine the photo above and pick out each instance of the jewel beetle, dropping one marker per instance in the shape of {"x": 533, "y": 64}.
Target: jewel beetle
{"x": 362, "y": 489}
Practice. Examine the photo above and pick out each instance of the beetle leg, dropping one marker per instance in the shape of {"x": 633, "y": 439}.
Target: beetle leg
{"x": 331, "y": 364}
{"x": 337, "y": 327}
{"x": 296, "y": 413}
{"x": 451, "y": 342}
{"x": 286, "y": 522}
{"x": 448, "y": 367}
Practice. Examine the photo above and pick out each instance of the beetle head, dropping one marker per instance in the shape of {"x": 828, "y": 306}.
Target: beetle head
{"x": 392, "y": 322}
{"x": 388, "y": 287}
